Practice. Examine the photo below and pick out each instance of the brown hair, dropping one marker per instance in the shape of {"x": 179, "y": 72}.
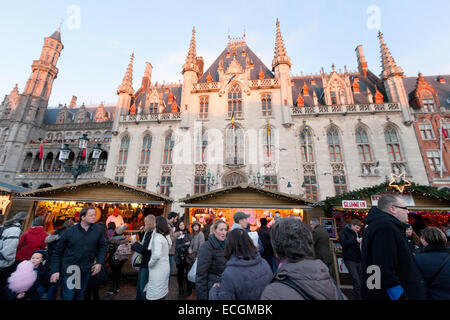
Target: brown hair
{"x": 356, "y": 222}
{"x": 240, "y": 245}
{"x": 434, "y": 236}
{"x": 162, "y": 226}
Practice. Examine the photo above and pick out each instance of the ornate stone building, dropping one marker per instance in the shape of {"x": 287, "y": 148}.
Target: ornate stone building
{"x": 238, "y": 121}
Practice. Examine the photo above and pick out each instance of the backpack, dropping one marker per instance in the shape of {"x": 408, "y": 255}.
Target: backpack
{"x": 122, "y": 252}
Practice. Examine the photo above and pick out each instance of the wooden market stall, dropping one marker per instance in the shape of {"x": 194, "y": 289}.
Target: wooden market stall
{"x": 427, "y": 204}
{"x": 255, "y": 201}
{"x": 60, "y": 203}
{"x": 7, "y": 192}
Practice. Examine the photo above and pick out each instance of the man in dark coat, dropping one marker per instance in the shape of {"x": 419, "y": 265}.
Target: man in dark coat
{"x": 384, "y": 246}
{"x": 78, "y": 249}
{"x": 351, "y": 254}
{"x": 264, "y": 236}
{"x": 321, "y": 241}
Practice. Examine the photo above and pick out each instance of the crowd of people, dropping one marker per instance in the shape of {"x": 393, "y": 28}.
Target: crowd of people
{"x": 285, "y": 260}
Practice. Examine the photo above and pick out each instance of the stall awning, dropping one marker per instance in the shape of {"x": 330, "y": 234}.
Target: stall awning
{"x": 103, "y": 200}
{"x": 240, "y": 205}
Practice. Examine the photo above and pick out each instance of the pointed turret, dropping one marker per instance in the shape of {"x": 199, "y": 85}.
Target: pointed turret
{"x": 389, "y": 68}
{"x": 191, "y": 59}
{"x": 57, "y": 35}
{"x": 127, "y": 82}
{"x": 280, "y": 51}
{"x": 14, "y": 97}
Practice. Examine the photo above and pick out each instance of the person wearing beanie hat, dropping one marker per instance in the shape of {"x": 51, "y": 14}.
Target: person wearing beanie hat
{"x": 33, "y": 239}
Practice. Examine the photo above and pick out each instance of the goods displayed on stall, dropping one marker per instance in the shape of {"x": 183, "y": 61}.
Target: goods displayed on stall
{"x": 55, "y": 213}
{"x": 207, "y": 215}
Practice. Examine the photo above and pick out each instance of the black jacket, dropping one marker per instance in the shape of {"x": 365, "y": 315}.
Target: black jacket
{"x": 351, "y": 250}
{"x": 143, "y": 249}
{"x": 181, "y": 249}
{"x": 429, "y": 262}
{"x": 264, "y": 236}
{"x": 384, "y": 245}
{"x": 321, "y": 240}
{"x": 210, "y": 265}
{"x": 79, "y": 247}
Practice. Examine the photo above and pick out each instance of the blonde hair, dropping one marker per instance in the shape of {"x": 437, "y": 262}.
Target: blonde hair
{"x": 150, "y": 222}
{"x": 216, "y": 224}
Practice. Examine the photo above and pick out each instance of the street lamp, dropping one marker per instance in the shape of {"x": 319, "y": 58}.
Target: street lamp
{"x": 257, "y": 181}
{"x": 209, "y": 180}
{"x": 64, "y": 155}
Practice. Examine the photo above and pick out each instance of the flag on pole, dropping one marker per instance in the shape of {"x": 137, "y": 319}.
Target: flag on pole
{"x": 232, "y": 119}
{"x": 444, "y": 132}
{"x": 83, "y": 155}
{"x": 268, "y": 128}
{"x": 41, "y": 150}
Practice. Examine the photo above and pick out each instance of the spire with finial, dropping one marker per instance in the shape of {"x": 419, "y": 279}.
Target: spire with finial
{"x": 14, "y": 97}
{"x": 388, "y": 65}
{"x": 127, "y": 82}
{"x": 191, "y": 59}
{"x": 280, "y": 51}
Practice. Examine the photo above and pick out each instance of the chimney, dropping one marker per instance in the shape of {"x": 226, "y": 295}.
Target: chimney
{"x": 362, "y": 64}
{"x": 73, "y": 103}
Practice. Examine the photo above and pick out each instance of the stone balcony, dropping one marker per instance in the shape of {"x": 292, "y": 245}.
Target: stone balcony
{"x": 205, "y": 87}
{"x": 264, "y": 83}
{"x": 78, "y": 126}
{"x": 346, "y": 109}
{"x": 151, "y": 117}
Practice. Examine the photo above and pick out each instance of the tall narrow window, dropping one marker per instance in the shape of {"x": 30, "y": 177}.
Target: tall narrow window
{"x": 118, "y": 179}
{"x": 153, "y": 108}
{"x": 334, "y": 146}
{"x": 434, "y": 160}
{"x": 168, "y": 149}
{"x": 4, "y": 136}
{"x": 393, "y": 145}
{"x": 204, "y": 107}
{"x": 268, "y": 146}
{"x": 201, "y": 147}
{"x": 310, "y": 188}
{"x": 306, "y": 146}
{"x": 428, "y": 101}
{"x": 123, "y": 153}
{"x": 235, "y": 101}
{"x": 426, "y": 131}
{"x": 146, "y": 148}
{"x": 333, "y": 97}
{"x": 266, "y": 104}
{"x": 362, "y": 143}
{"x": 270, "y": 182}
{"x": 102, "y": 161}
{"x": 166, "y": 183}
{"x": 234, "y": 146}
{"x": 340, "y": 185}
{"x": 446, "y": 128}
{"x": 141, "y": 182}
{"x": 199, "y": 184}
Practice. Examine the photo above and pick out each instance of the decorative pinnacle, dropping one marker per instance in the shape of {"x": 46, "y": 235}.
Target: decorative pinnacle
{"x": 191, "y": 59}
{"x": 127, "y": 82}
{"x": 388, "y": 64}
{"x": 280, "y": 51}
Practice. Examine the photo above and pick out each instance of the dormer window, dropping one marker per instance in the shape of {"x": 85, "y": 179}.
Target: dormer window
{"x": 428, "y": 102}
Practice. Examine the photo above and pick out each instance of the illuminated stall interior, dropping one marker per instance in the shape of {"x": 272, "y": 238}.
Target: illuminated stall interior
{"x": 59, "y": 204}
{"x": 255, "y": 201}
{"x": 7, "y": 192}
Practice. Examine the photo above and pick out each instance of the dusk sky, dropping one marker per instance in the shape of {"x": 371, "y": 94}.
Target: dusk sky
{"x": 99, "y": 40}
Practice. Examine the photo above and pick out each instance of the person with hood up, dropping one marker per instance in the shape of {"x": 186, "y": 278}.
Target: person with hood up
{"x": 246, "y": 274}
{"x": 299, "y": 276}
{"x": 384, "y": 245}
{"x": 211, "y": 260}
{"x": 8, "y": 248}
{"x": 434, "y": 263}
{"x": 31, "y": 240}
{"x": 264, "y": 236}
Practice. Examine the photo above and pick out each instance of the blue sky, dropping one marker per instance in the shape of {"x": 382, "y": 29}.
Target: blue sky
{"x": 316, "y": 34}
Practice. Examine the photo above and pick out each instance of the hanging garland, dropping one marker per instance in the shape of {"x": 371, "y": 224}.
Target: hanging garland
{"x": 427, "y": 191}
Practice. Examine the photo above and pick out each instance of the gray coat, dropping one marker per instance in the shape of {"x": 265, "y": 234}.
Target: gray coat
{"x": 310, "y": 275}
{"x": 197, "y": 242}
{"x": 322, "y": 244}
{"x": 8, "y": 244}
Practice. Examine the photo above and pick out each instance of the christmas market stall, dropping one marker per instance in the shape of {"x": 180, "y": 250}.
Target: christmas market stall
{"x": 427, "y": 205}
{"x": 112, "y": 200}
{"x": 7, "y": 192}
{"x": 257, "y": 202}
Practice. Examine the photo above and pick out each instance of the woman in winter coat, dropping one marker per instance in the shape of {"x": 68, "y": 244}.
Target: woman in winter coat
{"x": 115, "y": 264}
{"x": 299, "y": 276}
{"x": 31, "y": 240}
{"x": 182, "y": 242}
{"x": 413, "y": 239}
{"x": 246, "y": 273}
{"x": 198, "y": 238}
{"x": 211, "y": 260}
{"x": 159, "y": 266}
{"x": 143, "y": 249}
{"x": 434, "y": 263}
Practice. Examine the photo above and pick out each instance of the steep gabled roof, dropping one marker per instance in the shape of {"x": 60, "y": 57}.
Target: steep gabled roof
{"x": 442, "y": 89}
{"x": 257, "y": 63}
